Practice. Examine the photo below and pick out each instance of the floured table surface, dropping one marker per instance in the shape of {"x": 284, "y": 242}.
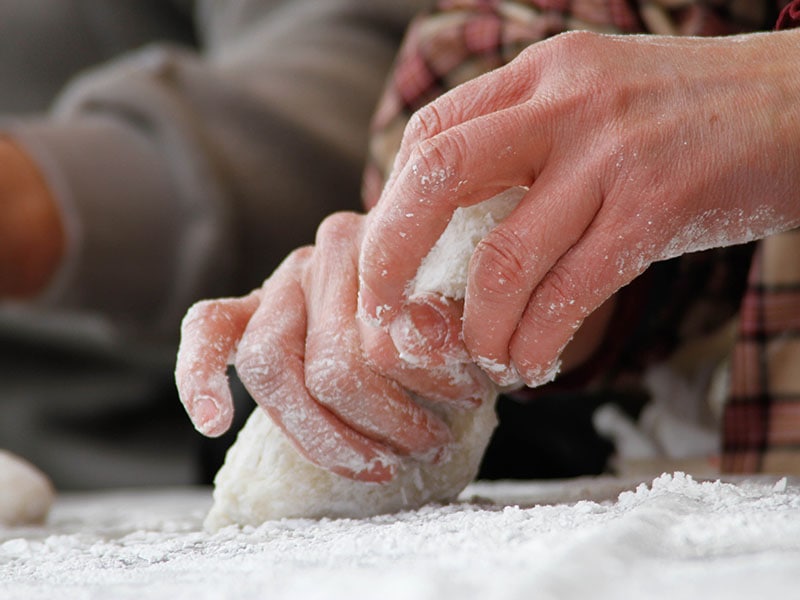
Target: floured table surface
{"x": 672, "y": 538}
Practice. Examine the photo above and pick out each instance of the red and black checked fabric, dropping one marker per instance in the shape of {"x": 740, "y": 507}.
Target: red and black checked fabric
{"x": 789, "y": 16}
{"x": 761, "y": 424}
{"x": 761, "y": 428}
{"x": 673, "y": 302}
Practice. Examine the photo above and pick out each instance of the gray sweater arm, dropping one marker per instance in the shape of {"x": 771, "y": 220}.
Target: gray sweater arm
{"x": 185, "y": 174}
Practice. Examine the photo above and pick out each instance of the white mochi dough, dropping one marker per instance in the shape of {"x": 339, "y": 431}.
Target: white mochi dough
{"x": 444, "y": 270}
{"x": 26, "y": 494}
{"x": 264, "y": 477}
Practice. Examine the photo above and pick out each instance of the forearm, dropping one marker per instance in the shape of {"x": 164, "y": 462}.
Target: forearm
{"x": 32, "y": 237}
{"x": 229, "y": 157}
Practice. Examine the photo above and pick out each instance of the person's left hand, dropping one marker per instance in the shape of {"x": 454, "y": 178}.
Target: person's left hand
{"x": 297, "y": 347}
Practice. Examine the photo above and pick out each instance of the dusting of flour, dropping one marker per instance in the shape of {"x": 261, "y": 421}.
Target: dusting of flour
{"x": 674, "y": 538}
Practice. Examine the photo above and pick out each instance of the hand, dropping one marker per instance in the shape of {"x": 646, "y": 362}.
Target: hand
{"x": 32, "y": 238}
{"x": 635, "y": 149}
{"x": 297, "y": 348}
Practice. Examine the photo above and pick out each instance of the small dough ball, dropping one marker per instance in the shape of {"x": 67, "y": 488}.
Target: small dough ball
{"x": 26, "y": 494}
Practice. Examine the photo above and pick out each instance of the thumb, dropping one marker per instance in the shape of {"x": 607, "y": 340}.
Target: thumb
{"x": 427, "y": 332}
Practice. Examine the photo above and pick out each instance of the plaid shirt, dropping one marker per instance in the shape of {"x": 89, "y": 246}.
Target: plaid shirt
{"x": 762, "y": 416}
{"x": 674, "y": 302}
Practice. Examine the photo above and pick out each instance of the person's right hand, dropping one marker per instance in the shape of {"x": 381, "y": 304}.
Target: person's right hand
{"x": 635, "y": 149}
{"x": 347, "y": 404}
{"x": 32, "y": 237}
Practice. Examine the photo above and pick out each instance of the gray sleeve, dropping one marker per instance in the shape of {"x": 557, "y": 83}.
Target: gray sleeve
{"x": 185, "y": 174}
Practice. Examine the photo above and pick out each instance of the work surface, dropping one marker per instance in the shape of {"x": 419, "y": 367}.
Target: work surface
{"x": 673, "y": 538}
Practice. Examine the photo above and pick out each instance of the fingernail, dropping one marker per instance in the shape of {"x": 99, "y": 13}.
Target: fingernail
{"x": 369, "y": 311}
{"x": 505, "y": 376}
{"x": 537, "y": 375}
{"x": 206, "y": 414}
{"x": 418, "y": 332}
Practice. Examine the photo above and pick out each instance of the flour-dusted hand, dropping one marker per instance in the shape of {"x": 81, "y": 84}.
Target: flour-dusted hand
{"x": 297, "y": 348}
{"x": 634, "y": 149}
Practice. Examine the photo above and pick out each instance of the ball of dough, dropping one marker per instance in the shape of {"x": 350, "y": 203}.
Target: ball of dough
{"x": 26, "y": 494}
{"x": 265, "y": 478}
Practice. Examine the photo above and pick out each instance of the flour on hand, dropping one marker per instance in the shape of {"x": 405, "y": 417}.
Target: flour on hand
{"x": 25, "y": 493}
{"x": 264, "y": 477}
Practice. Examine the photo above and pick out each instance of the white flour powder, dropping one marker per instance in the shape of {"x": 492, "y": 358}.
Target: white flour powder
{"x": 677, "y": 538}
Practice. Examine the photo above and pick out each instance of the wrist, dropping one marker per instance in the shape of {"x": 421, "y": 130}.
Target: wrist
{"x": 32, "y": 237}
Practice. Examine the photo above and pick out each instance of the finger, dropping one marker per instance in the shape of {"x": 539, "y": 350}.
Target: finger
{"x": 337, "y": 374}
{"x": 210, "y": 332}
{"x": 492, "y": 92}
{"x": 577, "y": 285}
{"x": 459, "y": 167}
{"x": 509, "y": 263}
{"x": 460, "y": 384}
{"x": 271, "y": 364}
{"x": 428, "y": 330}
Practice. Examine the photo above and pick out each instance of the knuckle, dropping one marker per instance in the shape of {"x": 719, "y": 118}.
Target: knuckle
{"x": 433, "y": 118}
{"x": 295, "y": 262}
{"x": 501, "y": 264}
{"x": 577, "y": 47}
{"x": 209, "y": 319}
{"x": 299, "y": 256}
{"x": 436, "y": 161}
{"x": 335, "y": 227}
{"x": 258, "y": 370}
{"x": 329, "y": 377}
{"x": 558, "y": 297}
{"x": 197, "y": 315}
{"x": 562, "y": 284}
{"x": 425, "y": 122}
{"x": 577, "y": 40}
{"x": 580, "y": 82}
